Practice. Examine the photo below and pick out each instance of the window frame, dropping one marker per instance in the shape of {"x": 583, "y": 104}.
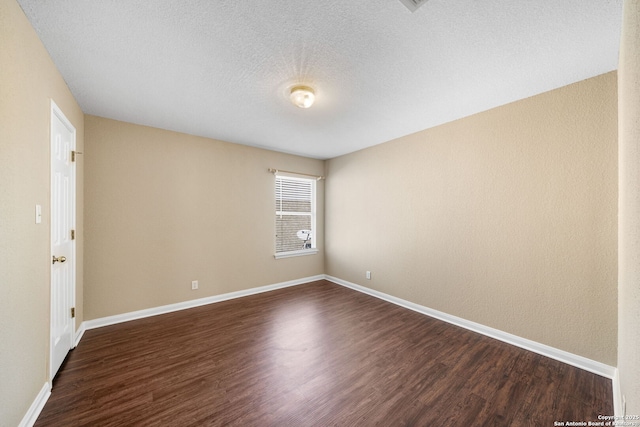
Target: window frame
{"x": 313, "y": 214}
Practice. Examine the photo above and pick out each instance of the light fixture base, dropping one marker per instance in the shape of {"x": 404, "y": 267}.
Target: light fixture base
{"x": 302, "y": 96}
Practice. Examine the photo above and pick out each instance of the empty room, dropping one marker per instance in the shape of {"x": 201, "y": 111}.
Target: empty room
{"x": 333, "y": 213}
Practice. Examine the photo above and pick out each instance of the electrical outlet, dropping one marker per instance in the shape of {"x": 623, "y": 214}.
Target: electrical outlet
{"x": 194, "y": 285}
{"x": 368, "y": 275}
{"x": 624, "y": 405}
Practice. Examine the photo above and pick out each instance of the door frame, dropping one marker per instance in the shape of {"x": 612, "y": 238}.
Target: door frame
{"x": 57, "y": 112}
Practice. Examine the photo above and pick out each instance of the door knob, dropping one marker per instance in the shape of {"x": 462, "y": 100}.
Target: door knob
{"x": 58, "y": 259}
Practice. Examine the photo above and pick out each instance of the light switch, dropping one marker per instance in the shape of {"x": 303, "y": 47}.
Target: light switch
{"x": 38, "y": 214}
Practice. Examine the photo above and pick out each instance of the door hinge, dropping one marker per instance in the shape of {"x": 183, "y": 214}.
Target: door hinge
{"x": 73, "y": 312}
{"x": 74, "y": 154}
{"x": 73, "y": 234}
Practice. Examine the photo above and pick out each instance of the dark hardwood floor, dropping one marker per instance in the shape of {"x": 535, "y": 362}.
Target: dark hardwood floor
{"x": 312, "y": 355}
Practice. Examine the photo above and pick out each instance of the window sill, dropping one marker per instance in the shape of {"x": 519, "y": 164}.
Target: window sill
{"x": 296, "y": 253}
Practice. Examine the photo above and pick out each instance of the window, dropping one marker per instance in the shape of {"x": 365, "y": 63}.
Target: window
{"x": 295, "y": 216}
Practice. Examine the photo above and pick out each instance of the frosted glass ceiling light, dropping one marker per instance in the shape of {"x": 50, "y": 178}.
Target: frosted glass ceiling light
{"x": 302, "y": 96}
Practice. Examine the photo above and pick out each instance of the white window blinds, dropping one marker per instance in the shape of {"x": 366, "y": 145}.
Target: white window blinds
{"x": 295, "y": 214}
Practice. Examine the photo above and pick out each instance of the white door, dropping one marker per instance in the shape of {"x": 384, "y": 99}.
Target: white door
{"x": 63, "y": 207}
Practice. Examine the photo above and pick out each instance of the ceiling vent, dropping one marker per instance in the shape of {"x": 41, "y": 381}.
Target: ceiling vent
{"x": 413, "y": 5}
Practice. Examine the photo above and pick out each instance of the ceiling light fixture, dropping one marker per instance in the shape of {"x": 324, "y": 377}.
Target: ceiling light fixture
{"x": 302, "y": 96}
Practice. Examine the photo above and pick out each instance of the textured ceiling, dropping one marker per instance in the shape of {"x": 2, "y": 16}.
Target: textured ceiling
{"x": 221, "y": 69}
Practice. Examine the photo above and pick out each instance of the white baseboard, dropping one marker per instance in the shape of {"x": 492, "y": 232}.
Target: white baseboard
{"x": 32, "y": 414}
{"x": 79, "y": 334}
{"x": 125, "y": 317}
{"x": 542, "y": 349}
{"x": 545, "y": 350}
{"x": 617, "y": 396}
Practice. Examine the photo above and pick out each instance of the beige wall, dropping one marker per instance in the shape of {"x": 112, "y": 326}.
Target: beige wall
{"x": 506, "y": 218}
{"x": 629, "y": 207}
{"x": 163, "y": 209}
{"x": 28, "y": 81}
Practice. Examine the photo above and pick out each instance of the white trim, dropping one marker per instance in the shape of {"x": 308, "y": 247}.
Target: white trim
{"x": 33, "y": 413}
{"x": 125, "y": 317}
{"x": 543, "y": 349}
{"x": 581, "y": 362}
{"x": 79, "y": 334}
{"x": 617, "y": 395}
{"x": 301, "y": 252}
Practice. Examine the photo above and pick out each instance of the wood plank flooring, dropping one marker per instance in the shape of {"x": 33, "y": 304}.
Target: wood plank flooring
{"x": 312, "y": 355}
